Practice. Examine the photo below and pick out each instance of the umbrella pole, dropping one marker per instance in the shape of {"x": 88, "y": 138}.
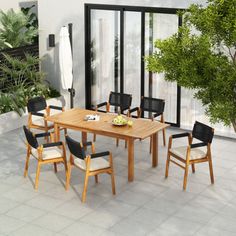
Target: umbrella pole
{"x": 71, "y": 90}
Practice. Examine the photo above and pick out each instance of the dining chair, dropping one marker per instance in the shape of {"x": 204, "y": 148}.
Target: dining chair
{"x": 151, "y": 105}
{"x": 120, "y": 101}
{"x": 48, "y": 153}
{"x": 92, "y": 164}
{"x": 192, "y": 153}
{"x": 37, "y": 107}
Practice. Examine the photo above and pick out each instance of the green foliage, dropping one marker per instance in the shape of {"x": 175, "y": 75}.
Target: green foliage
{"x": 205, "y": 60}
{"x": 21, "y": 80}
{"x": 32, "y": 20}
{"x": 15, "y": 29}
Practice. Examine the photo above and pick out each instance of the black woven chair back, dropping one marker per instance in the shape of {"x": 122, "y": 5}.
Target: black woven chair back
{"x": 203, "y": 132}
{"x": 75, "y": 148}
{"x": 36, "y": 104}
{"x": 121, "y": 100}
{"x": 152, "y": 105}
{"x": 31, "y": 139}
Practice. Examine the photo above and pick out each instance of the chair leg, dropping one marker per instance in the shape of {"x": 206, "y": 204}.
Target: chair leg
{"x": 94, "y": 137}
{"x": 65, "y": 131}
{"x": 96, "y": 178}
{"x": 185, "y": 176}
{"x": 193, "y": 168}
{"x": 68, "y": 175}
{"x": 37, "y": 175}
{"x": 113, "y": 183}
{"x": 211, "y": 169}
{"x": 125, "y": 143}
{"x": 55, "y": 167}
{"x": 167, "y": 165}
{"x": 27, "y": 162}
{"x": 85, "y": 186}
{"x": 163, "y": 131}
{"x": 164, "y": 136}
{"x": 46, "y": 137}
{"x": 117, "y": 142}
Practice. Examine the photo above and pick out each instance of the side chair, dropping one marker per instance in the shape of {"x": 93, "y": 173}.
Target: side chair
{"x": 38, "y": 107}
{"x": 92, "y": 164}
{"x": 193, "y": 153}
{"x": 48, "y": 153}
{"x": 156, "y": 107}
{"x": 122, "y": 101}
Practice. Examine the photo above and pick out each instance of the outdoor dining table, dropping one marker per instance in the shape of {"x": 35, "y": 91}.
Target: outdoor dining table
{"x": 141, "y": 129}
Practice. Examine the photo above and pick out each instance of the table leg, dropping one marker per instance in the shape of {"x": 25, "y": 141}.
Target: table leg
{"x": 155, "y": 150}
{"x": 130, "y": 159}
{"x": 84, "y": 138}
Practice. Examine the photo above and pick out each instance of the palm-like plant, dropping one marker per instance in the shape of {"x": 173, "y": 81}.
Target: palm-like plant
{"x": 20, "y": 80}
{"x": 14, "y": 29}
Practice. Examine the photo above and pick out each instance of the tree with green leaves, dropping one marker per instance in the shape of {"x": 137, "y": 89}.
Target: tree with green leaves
{"x": 202, "y": 56}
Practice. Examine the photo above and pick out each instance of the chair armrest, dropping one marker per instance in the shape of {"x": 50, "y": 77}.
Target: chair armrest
{"x": 156, "y": 115}
{"x": 101, "y": 104}
{"x": 100, "y": 154}
{"x": 46, "y": 145}
{"x": 133, "y": 109}
{"x": 195, "y": 145}
{"x": 180, "y": 135}
{"x": 46, "y": 134}
{"x": 38, "y": 114}
{"x": 55, "y": 107}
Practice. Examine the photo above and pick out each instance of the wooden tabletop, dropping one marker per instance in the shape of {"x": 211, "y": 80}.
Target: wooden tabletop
{"x": 74, "y": 118}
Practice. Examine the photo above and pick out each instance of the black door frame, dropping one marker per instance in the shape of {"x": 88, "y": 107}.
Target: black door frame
{"x": 121, "y": 9}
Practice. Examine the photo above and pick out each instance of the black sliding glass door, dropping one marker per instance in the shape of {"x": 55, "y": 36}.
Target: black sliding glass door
{"x": 117, "y": 38}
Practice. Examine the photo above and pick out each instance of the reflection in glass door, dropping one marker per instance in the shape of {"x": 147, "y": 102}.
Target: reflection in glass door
{"x": 160, "y": 26}
{"x": 104, "y": 46}
{"x": 132, "y": 55}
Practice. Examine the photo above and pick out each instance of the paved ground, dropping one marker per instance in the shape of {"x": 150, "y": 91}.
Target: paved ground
{"x": 151, "y": 205}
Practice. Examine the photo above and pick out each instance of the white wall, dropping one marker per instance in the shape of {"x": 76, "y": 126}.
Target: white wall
{"x": 54, "y": 14}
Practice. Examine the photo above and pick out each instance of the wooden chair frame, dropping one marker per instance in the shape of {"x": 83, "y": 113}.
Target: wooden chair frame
{"x": 187, "y": 162}
{"x": 46, "y": 127}
{"x": 88, "y": 173}
{"x": 40, "y": 160}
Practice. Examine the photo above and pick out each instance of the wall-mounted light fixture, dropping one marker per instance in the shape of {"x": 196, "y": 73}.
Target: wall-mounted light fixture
{"x": 51, "y": 40}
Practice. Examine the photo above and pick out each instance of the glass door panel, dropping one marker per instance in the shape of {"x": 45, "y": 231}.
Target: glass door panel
{"x": 105, "y": 48}
{"x": 160, "y": 26}
{"x": 132, "y": 55}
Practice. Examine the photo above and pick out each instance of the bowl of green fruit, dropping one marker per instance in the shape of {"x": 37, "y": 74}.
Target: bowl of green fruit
{"x": 119, "y": 121}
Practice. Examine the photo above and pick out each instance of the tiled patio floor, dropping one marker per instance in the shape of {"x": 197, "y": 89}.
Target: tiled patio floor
{"x": 151, "y": 205}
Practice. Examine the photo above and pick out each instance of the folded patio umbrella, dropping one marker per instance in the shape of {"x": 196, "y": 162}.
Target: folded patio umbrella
{"x": 65, "y": 59}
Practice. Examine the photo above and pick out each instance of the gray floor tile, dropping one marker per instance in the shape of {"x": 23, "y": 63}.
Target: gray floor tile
{"x": 130, "y": 227}
{"x": 180, "y": 226}
{"x": 53, "y": 222}
{"x": 208, "y": 231}
{"x": 101, "y": 218}
{"x": 80, "y": 228}
{"x": 223, "y": 222}
{"x": 25, "y": 213}
{"x": 9, "y": 224}
{"x": 73, "y": 209}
